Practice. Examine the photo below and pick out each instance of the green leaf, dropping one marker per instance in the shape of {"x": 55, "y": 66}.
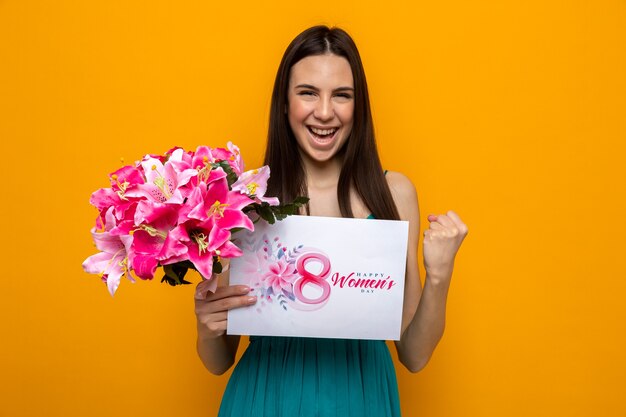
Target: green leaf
{"x": 175, "y": 273}
{"x": 300, "y": 201}
{"x": 267, "y": 214}
{"x": 231, "y": 176}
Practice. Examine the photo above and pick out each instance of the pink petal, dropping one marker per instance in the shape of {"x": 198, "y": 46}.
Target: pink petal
{"x": 217, "y": 237}
{"x": 203, "y": 262}
{"x": 230, "y": 250}
{"x": 200, "y": 154}
{"x": 184, "y": 176}
{"x": 123, "y": 228}
{"x": 237, "y": 163}
{"x": 129, "y": 174}
{"x": 220, "y": 154}
{"x": 194, "y": 207}
{"x": 218, "y": 191}
{"x": 237, "y": 201}
{"x": 152, "y": 174}
{"x": 98, "y": 263}
{"x": 215, "y": 175}
{"x": 146, "y": 244}
{"x": 149, "y": 191}
{"x": 161, "y": 216}
{"x": 144, "y": 265}
{"x": 235, "y": 218}
{"x": 113, "y": 278}
{"x": 173, "y": 249}
{"x": 104, "y": 198}
{"x": 272, "y": 201}
{"x": 107, "y": 242}
{"x": 125, "y": 210}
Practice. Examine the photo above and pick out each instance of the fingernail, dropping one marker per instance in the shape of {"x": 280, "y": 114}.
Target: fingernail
{"x": 251, "y": 300}
{"x": 245, "y": 290}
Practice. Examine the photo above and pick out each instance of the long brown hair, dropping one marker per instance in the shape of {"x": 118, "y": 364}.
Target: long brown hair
{"x": 361, "y": 164}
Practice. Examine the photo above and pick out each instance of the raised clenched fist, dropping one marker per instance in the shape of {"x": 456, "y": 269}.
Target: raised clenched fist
{"x": 441, "y": 243}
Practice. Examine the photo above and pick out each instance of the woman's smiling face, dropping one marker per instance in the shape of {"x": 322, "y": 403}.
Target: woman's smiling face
{"x": 321, "y": 104}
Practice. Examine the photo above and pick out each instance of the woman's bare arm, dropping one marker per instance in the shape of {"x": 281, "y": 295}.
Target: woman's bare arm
{"x": 424, "y": 310}
{"x": 215, "y": 348}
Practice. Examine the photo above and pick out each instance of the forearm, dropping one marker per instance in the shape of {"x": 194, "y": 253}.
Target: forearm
{"x": 423, "y": 333}
{"x": 217, "y": 354}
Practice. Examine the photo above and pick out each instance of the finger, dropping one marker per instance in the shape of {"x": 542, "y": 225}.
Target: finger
{"x": 228, "y": 291}
{"x": 217, "y": 317}
{"x": 436, "y": 226}
{"x": 217, "y": 327}
{"x": 457, "y": 220}
{"x": 205, "y": 317}
{"x": 446, "y": 221}
{"x": 238, "y": 302}
{"x": 228, "y": 303}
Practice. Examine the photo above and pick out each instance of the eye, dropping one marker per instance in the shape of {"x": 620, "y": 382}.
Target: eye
{"x": 305, "y": 93}
{"x": 344, "y": 95}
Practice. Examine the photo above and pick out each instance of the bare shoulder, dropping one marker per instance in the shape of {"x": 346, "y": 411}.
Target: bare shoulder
{"x": 404, "y": 193}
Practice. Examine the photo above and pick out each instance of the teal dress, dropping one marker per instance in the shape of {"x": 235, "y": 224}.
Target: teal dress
{"x": 312, "y": 377}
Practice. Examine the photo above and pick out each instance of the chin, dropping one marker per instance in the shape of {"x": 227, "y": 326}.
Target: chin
{"x": 319, "y": 155}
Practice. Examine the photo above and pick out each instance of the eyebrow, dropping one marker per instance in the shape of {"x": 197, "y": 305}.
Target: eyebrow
{"x": 317, "y": 89}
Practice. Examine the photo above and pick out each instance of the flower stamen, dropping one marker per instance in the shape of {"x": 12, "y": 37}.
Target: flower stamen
{"x": 204, "y": 171}
{"x": 161, "y": 184}
{"x": 252, "y": 188}
{"x": 122, "y": 187}
{"x": 217, "y": 209}
{"x": 152, "y": 231}
{"x": 202, "y": 240}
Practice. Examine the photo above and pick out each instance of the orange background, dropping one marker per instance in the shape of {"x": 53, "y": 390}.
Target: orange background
{"x": 509, "y": 113}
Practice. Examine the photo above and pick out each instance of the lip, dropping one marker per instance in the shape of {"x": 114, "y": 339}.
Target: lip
{"x": 323, "y": 127}
{"x": 322, "y": 143}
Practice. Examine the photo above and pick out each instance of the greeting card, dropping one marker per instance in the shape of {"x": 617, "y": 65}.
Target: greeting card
{"x": 322, "y": 277}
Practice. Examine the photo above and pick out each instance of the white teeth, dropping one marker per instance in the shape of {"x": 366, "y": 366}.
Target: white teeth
{"x": 323, "y": 131}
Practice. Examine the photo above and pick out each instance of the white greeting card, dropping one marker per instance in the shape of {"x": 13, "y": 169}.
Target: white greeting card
{"x": 322, "y": 277}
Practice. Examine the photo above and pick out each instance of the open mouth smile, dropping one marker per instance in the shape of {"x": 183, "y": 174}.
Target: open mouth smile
{"x": 322, "y": 136}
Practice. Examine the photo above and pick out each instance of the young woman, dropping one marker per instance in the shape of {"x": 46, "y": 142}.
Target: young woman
{"x": 321, "y": 144}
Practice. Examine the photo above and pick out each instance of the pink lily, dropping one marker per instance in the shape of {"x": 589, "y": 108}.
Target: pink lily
{"x": 215, "y": 202}
{"x": 202, "y": 160}
{"x": 230, "y": 155}
{"x": 235, "y": 160}
{"x": 185, "y": 158}
{"x": 122, "y": 180}
{"x": 205, "y": 156}
{"x": 153, "y": 221}
{"x": 163, "y": 181}
{"x": 112, "y": 262}
{"x": 198, "y": 241}
{"x": 254, "y": 184}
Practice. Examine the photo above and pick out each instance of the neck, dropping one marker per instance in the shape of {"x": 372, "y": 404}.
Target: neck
{"x": 322, "y": 174}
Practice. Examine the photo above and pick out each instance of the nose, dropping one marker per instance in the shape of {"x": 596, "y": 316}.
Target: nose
{"x": 324, "y": 109}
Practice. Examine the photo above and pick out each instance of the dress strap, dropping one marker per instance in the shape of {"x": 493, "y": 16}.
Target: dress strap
{"x": 385, "y": 172}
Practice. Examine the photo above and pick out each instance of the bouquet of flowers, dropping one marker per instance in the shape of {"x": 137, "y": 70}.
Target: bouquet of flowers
{"x": 178, "y": 211}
